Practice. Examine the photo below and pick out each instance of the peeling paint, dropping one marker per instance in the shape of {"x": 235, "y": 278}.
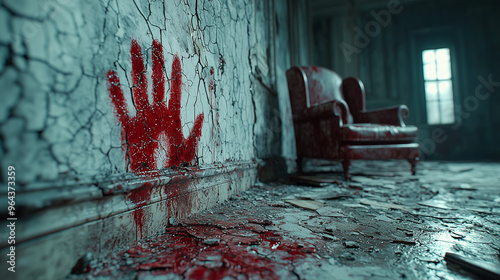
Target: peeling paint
{"x": 55, "y": 59}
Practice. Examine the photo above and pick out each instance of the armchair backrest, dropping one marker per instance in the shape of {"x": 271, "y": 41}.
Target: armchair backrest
{"x": 312, "y": 85}
{"x": 353, "y": 91}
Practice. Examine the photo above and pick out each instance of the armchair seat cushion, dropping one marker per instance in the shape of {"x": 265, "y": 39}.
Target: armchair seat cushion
{"x": 367, "y": 133}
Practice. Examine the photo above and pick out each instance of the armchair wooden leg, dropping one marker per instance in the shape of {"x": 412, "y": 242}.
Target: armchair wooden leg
{"x": 299, "y": 164}
{"x": 413, "y": 162}
{"x": 346, "y": 164}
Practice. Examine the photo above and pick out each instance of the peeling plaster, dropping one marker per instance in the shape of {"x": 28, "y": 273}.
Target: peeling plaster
{"x": 55, "y": 57}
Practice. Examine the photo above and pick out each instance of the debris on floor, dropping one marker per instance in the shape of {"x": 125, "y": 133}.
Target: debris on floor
{"x": 394, "y": 226}
{"x": 315, "y": 180}
{"x": 306, "y": 204}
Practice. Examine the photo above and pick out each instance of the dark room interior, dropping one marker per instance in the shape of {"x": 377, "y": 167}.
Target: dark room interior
{"x": 250, "y": 139}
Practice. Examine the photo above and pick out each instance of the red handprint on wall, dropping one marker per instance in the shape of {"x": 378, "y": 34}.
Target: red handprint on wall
{"x": 156, "y": 125}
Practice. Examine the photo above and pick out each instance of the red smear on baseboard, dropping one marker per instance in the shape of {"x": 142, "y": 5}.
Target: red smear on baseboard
{"x": 140, "y": 198}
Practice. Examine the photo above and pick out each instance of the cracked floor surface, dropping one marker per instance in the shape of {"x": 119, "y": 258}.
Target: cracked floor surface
{"x": 380, "y": 225}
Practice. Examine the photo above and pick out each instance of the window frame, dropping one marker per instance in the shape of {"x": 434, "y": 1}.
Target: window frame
{"x": 439, "y": 101}
{"x": 435, "y": 38}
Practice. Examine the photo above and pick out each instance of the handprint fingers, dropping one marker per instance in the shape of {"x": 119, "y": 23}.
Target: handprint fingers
{"x": 192, "y": 140}
{"x": 139, "y": 80}
{"x": 158, "y": 77}
{"x": 174, "y": 103}
{"x": 116, "y": 94}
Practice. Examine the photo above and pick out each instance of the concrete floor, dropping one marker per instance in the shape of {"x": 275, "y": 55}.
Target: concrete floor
{"x": 384, "y": 224}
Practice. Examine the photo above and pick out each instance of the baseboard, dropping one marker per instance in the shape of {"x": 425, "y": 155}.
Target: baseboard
{"x": 53, "y": 233}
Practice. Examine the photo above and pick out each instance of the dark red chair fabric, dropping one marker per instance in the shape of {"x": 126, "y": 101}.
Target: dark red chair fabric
{"x": 331, "y": 121}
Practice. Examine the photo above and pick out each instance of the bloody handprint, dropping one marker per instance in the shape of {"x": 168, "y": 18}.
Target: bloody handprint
{"x": 156, "y": 125}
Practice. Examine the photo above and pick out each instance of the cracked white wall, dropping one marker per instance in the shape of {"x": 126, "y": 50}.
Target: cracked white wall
{"x": 56, "y": 115}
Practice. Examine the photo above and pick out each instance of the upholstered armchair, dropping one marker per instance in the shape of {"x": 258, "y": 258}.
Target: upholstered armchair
{"x": 331, "y": 121}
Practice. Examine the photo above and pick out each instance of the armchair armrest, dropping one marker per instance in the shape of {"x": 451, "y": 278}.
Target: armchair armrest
{"x": 391, "y": 115}
{"x": 334, "y": 108}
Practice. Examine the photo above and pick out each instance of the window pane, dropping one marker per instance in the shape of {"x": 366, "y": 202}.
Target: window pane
{"x": 447, "y": 112}
{"x": 443, "y": 70}
{"x": 430, "y": 71}
{"x": 445, "y": 91}
{"x": 438, "y": 86}
{"x": 431, "y": 91}
{"x": 443, "y": 55}
{"x": 428, "y": 56}
{"x": 433, "y": 112}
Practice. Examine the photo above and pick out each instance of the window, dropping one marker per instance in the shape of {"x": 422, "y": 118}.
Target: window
{"x": 438, "y": 86}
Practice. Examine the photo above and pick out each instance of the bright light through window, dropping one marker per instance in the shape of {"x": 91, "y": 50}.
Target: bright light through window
{"x": 438, "y": 86}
